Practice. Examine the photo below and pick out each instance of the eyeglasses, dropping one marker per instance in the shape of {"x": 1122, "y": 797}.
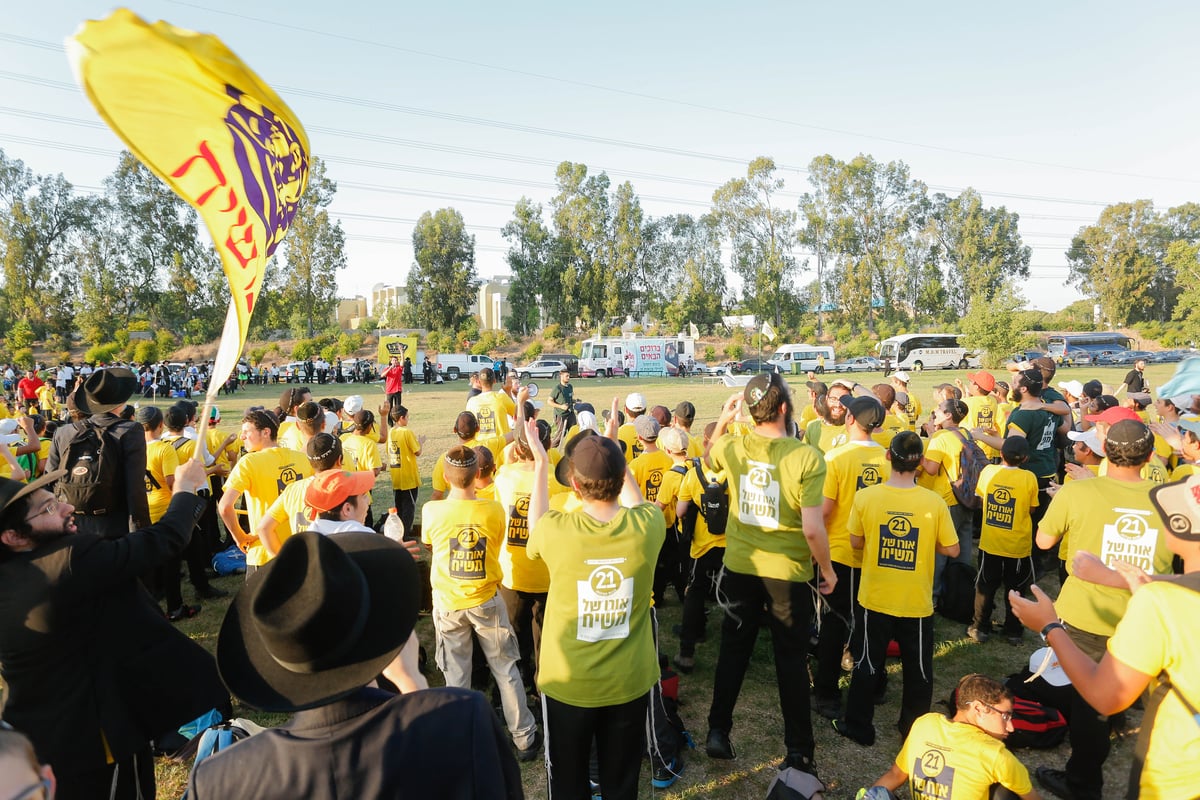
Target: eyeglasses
{"x": 50, "y": 507}
{"x": 39, "y": 789}
{"x": 1005, "y": 716}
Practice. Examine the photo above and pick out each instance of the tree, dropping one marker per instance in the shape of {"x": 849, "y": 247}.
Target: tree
{"x": 530, "y": 245}
{"x": 442, "y": 283}
{"x": 1118, "y": 261}
{"x": 684, "y": 271}
{"x": 760, "y": 234}
{"x": 581, "y": 226}
{"x": 993, "y": 325}
{"x": 313, "y": 253}
{"x": 979, "y": 248}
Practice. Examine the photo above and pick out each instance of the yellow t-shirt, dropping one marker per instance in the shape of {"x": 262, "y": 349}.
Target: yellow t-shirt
{"x": 486, "y": 492}
{"x": 263, "y": 476}
{"x": 597, "y": 643}
{"x": 825, "y": 437}
{"x": 1182, "y": 472}
{"x": 493, "y": 443}
{"x": 912, "y": 410}
{"x": 514, "y": 483}
{"x": 631, "y": 445}
{"x": 948, "y": 759}
{"x": 1157, "y": 635}
{"x": 981, "y": 413}
{"x": 284, "y": 427}
{"x": 1008, "y": 495}
{"x": 695, "y": 448}
{"x": 853, "y": 466}
{"x": 884, "y": 434}
{"x": 1003, "y": 409}
{"x": 648, "y": 469}
{"x": 161, "y": 461}
{"x": 1153, "y": 471}
{"x": 692, "y": 491}
{"x": 288, "y": 511}
{"x": 770, "y": 480}
{"x": 901, "y": 529}
{"x": 669, "y": 487}
{"x": 47, "y": 400}
{"x": 360, "y": 453}
{"x": 945, "y": 448}
{"x": 292, "y": 439}
{"x": 1111, "y": 519}
{"x": 402, "y": 458}
{"x": 465, "y": 536}
{"x": 807, "y": 415}
{"x": 492, "y": 410}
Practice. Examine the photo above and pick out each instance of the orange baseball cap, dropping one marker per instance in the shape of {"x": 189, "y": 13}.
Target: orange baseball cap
{"x": 330, "y": 489}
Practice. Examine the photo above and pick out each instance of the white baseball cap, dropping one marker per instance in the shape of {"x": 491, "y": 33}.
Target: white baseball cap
{"x": 1052, "y": 672}
{"x": 353, "y": 404}
{"x": 635, "y": 402}
{"x": 901, "y": 376}
{"x": 1089, "y": 437}
{"x": 1074, "y": 388}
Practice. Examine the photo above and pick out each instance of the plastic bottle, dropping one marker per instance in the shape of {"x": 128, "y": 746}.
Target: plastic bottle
{"x": 393, "y": 528}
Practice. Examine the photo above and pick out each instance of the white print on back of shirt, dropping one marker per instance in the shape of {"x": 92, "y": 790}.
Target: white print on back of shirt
{"x": 758, "y": 496}
{"x": 605, "y": 603}
{"x": 1130, "y": 538}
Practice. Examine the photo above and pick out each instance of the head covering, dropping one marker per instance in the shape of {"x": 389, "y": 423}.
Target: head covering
{"x": 1031, "y": 377}
{"x": 1073, "y": 388}
{"x": 636, "y": 402}
{"x": 597, "y": 458}
{"x": 685, "y": 411}
{"x": 1093, "y": 389}
{"x": 105, "y": 390}
{"x": 1127, "y": 433}
{"x": 1053, "y": 673}
{"x": 673, "y": 440}
{"x": 1090, "y": 437}
{"x": 562, "y": 470}
{"x": 868, "y": 412}
{"x": 353, "y": 404}
{"x": 1113, "y": 415}
{"x": 11, "y": 491}
{"x": 1143, "y": 399}
{"x": 984, "y": 379}
{"x": 885, "y": 393}
{"x": 1186, "y": 379}
{"x": 587, "y": 420}
{"x": 330, "y": 489}
{"x": 319, "y": 621}
{"x": 647, "y": 427}
{"x": 901, "y": 376}
{"x": 817, "y": 387}
{"x": 1191, "y": 425}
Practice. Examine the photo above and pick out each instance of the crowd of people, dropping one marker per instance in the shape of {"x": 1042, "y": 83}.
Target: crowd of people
{"x": 553, "y": 532}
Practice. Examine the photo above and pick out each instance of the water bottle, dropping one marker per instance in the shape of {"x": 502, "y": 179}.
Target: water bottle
{"x": 393, "y": 528}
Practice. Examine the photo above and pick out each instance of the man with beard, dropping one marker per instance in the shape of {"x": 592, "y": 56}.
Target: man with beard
{"x": 829, "y": 429}
{"x": 774, "y": 534}
{"x": 93, "y": 669}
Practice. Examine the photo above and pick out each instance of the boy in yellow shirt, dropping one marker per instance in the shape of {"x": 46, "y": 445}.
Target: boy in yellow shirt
{"x": 403, "y": 448}
{"x": 1009, "y": 493}
{"x": 464, "y": 534}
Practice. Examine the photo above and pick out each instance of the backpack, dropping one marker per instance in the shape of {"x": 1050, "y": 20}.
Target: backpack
{"x": 216, "y": 738}
{"x": 714, "y": 506}
{"x": 792, "y": 784}
{"x": 971, "y": 462}
{"x": 93, "y": 464}
{"x": 230, "y": 561}
{"x": 957, "y": 600}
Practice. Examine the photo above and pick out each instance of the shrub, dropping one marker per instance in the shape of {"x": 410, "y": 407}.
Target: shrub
{"x": 97, "y": 353}
{"x": 23, "y": 357}
{"x": 710, "y": 354}
{"x": 552, "y": 332}
{"x": 533, "y": 352}
{"x": 303, "y": 350}
{"x": 145, "y": 352}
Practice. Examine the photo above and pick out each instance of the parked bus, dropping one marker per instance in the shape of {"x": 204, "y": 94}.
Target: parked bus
{"x": 1058, "y": 344}
{"x": 791, "y": 358}
{"x": 918, "y": 351}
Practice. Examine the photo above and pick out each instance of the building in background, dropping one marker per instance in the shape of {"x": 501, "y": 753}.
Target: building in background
{"x": 350, "y": 312}
{"x": 492, "y": 306}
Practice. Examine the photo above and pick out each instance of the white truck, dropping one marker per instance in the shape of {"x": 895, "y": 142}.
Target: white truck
{"x": 453, "y": 365}
{"x": 609, "y": 356}
{"x": 801, "y": 358}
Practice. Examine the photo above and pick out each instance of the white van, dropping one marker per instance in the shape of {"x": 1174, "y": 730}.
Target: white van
{"x": 792, "y": 358}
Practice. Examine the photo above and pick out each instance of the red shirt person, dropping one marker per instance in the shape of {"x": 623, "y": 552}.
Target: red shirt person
{"x": 393, "y": 381}
{"x": 28, "y": 387}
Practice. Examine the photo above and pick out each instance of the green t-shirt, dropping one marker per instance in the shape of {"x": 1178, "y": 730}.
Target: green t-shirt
{"x": 1038, "y": 427}
{"x": 770, "y": 480}
{"x": 597, "y": 640}
{"x": 1111, "y": 519}
{"x": 564, "y": 395}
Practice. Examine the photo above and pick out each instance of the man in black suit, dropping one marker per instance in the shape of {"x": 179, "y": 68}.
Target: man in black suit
{"x": 94, "y": 671}
{"x": 100, "y": 397}
{"x": 309, "y": 633}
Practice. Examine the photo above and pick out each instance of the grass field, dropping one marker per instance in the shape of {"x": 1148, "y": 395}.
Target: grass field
{"x": 758, "y": 730}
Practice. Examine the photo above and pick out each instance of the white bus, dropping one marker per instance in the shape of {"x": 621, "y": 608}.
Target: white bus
{"x": 808, "y": 357}
{"x": 918, "y": 351}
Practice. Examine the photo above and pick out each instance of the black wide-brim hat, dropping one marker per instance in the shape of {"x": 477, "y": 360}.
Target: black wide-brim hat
{"x": 105, "y": 390}
{"x": 319, "y": 621}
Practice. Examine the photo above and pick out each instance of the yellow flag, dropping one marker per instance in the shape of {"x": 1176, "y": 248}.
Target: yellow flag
{"x": 192, "y": 112}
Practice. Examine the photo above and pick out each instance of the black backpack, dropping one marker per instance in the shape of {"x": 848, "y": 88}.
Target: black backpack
{"x": 957, "y": 600}
{"x": 971, "y": 462}
{"x": 93, "y": 464}
{"x": 714, "y": 506}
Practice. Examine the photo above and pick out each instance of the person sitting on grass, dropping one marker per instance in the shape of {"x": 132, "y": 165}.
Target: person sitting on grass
{"x": 961, "y": 757}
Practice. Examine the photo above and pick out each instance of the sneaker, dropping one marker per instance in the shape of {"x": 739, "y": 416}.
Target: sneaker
{"x": 717, "y": 745}
{"x": 684, "y": 664}
{"x": 866, "y": 741}
{"x": 530, "y": 753}
{"x": 183, "y": 612}
{"x": 799, "y": 761}
{"x": 667, "y": 774}
{"x": 828, "y": 707}
{"x": 595, "y": 787}
{"x": 978, "y": 636}
{"x": 1055, "y": 782}
{"x": 210, "y": 592}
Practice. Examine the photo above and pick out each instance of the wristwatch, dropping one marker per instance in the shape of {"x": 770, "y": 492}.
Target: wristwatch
{"x": 1051, "y": 626}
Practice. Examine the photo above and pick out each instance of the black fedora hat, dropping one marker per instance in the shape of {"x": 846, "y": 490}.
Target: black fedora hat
{"x": 105, "y": 390}
{"x": 11, "y": 491}
{"x": 319, "y": 621}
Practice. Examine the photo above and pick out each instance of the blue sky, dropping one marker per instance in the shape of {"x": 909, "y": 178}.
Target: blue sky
{"x": 1053, "y": 110}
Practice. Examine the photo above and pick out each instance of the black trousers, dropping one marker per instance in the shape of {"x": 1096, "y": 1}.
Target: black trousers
{"x": 669, "y": 570}
{"x": 526, "y": 611}
{"x": 838, "y": 613}
{"x": 405, "y": 501}
{"x": 619, "y": 733}
{"x": 996, "y": 572}
{"x": 915, "y": 637}
{"x": 1087, "y": 729}
{"x": 786, "y": 607}
{"x": 706, "y": 570}
{"x": 135, "y": 780}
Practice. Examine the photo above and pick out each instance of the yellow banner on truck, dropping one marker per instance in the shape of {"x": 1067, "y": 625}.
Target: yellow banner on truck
{"x": 400, "y": 346}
